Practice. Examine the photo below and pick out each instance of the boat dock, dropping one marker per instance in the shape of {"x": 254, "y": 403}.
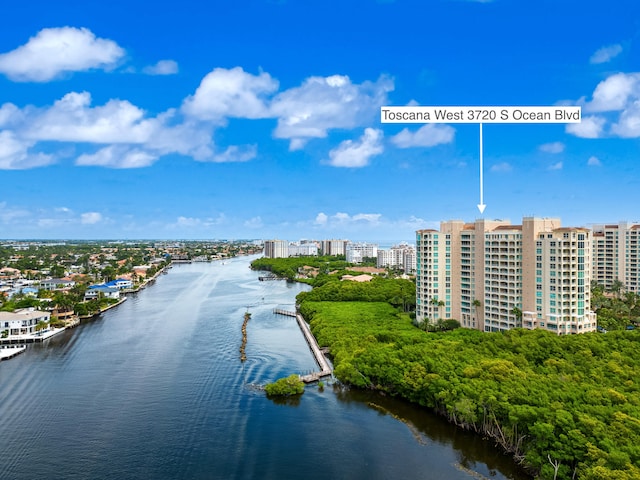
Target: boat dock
{"x": 269, "y": 277}
{"x": 325, "y": 368}
{"x": 10, "y": 351}
{"x": 279, "y": 311}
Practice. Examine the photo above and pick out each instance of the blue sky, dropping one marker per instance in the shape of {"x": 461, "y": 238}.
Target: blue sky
{"x": 260, "y": 119}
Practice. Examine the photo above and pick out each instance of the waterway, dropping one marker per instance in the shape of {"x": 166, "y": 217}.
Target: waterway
{"x": 155, "y": 389}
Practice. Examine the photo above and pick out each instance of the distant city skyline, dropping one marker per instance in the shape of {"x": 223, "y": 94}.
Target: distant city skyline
{"x": 262, "y": 120}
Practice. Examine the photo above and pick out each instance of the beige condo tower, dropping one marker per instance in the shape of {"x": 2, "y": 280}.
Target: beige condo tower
{"x": 492, "y": 276}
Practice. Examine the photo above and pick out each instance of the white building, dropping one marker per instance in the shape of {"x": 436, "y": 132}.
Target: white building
{"x": 276, "y": 248}
{"x": 401, "y": 256}
{"x": 616, "y": 255}
{"x": 356, "y": 252}
{"x": 302, "y": 249}
{"x": 23, "y": 321}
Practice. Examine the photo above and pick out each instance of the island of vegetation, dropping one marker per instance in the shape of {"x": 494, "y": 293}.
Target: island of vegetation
{"x": 285, "y": 387}
{"x": 566, "y": 407}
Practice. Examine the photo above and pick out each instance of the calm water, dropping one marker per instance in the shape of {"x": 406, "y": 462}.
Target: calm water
{"x": 155, "y": 389}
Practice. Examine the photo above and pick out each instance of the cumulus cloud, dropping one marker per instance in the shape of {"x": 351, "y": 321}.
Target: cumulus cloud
{"x": 594, "y": 162}
{"x": 357, "y": 154}
{"x": 428, "y": 135}
{"x": 556, "y": 166}
{"x": 615, "y": 92}
{"x": 117, "y": 156}
{"x": 16, "y": 154}
{"x": 323, "y": 103}
{"x": 134, "y": 138}
{"x": 501, "y": 167}
{"x": 56, "y": 51}
{"x": 163, "y": 67}
{"x": 553, "y": 147}
{"x": 589, "y": 127}
{"x": 606, "y": 54}
{"x": 227, "y": 93}
{"x": 236, "y": 153}
{"x": 72, "y": 119}
{"x": 321, "y": 219}
{"x": 614, "y": 109}
{"x": 90, "y": 218}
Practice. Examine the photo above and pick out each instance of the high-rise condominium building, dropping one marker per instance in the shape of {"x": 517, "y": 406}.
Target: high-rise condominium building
{"x": 491, "y": 275}
{"x": 334, "y": 247}
{"x": 616, "y": 255}
{"x": 276, "y": 248}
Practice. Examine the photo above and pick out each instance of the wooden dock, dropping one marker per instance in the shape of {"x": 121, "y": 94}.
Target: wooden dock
{"x": 325, "y": 368}
{"x": 10, "y": 351}
{"x": 288, "y": 313}
{"x": 269, "y": 277}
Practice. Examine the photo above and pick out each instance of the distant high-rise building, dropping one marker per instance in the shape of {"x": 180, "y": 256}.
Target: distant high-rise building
{"x": 491, "y": 275}
{"x": 616, "y": 255}
{"x": 401, "y": 256}
{"x": 356, "y": 252}
{"x": 276, "y": 248}
{"x": 334, "y": 247}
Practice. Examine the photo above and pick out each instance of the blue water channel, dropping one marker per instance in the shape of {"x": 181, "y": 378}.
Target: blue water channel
{"x": 155, "y": 389}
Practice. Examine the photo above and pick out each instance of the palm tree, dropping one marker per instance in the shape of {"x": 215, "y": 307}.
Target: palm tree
{"x": 434, "y": 301}
{"x": 617, "y": 287}
{"x": 518, "y": 314}
{"x": 476, "y": 305}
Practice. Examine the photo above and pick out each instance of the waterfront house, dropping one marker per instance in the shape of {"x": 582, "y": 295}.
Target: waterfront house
{"x": 56, "y": 284}
{"x": 23, "y": 321}
{"x": 120, "y": 283}
{"x": 94, "y": 291}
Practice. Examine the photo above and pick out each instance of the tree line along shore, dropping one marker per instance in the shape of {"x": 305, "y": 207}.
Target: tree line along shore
{"x": 565, "y": 407}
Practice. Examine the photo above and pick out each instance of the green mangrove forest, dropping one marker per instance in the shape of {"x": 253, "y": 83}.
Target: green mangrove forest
{"x": 566, "y": 407}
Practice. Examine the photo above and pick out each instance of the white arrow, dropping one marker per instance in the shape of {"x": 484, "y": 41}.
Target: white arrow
{"x": 481, "y": 205}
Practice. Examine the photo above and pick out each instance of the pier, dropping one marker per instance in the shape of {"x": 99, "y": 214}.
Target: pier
{"x": 10, "y": 351}
{"x": 269, "y": 277}
{"x": 288, "y": 313}
{"x": 325, "y": 368}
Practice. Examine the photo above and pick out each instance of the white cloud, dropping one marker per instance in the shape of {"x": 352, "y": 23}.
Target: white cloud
{"x": 428, "y": 135}
{"x": 9, "y": 214}
{"x": 606, "y": 54}
{"x": 501, "y": 167}
{"x": 323, "y": 103}
{"x": 136, "y": 139}
{"x": 590, "y": 127}
{"x": 236, "y": 154}
{"x": 254, "y": 223}
{"x": 230, "y": 93}
{"x": 55, "y": 51}
{"x": 628, "y": 124}
{"x": 321, "y": 219}
{"x": 15, "y": 153}
{"x": 163, "y": 67}
{"x": 357, "y": 154}
{"x": 556, "y": 166}
{"x": 72, "y": 119}
{"x": 594, "y": 162}
{"x": 90, "y": 218}
{"x": 344, "y": 224}
{"x": 614, "y": 92}
{"x": 117, "y": 156}
{"x": 195, "y": 223}
{"x": 553, "y": 147}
